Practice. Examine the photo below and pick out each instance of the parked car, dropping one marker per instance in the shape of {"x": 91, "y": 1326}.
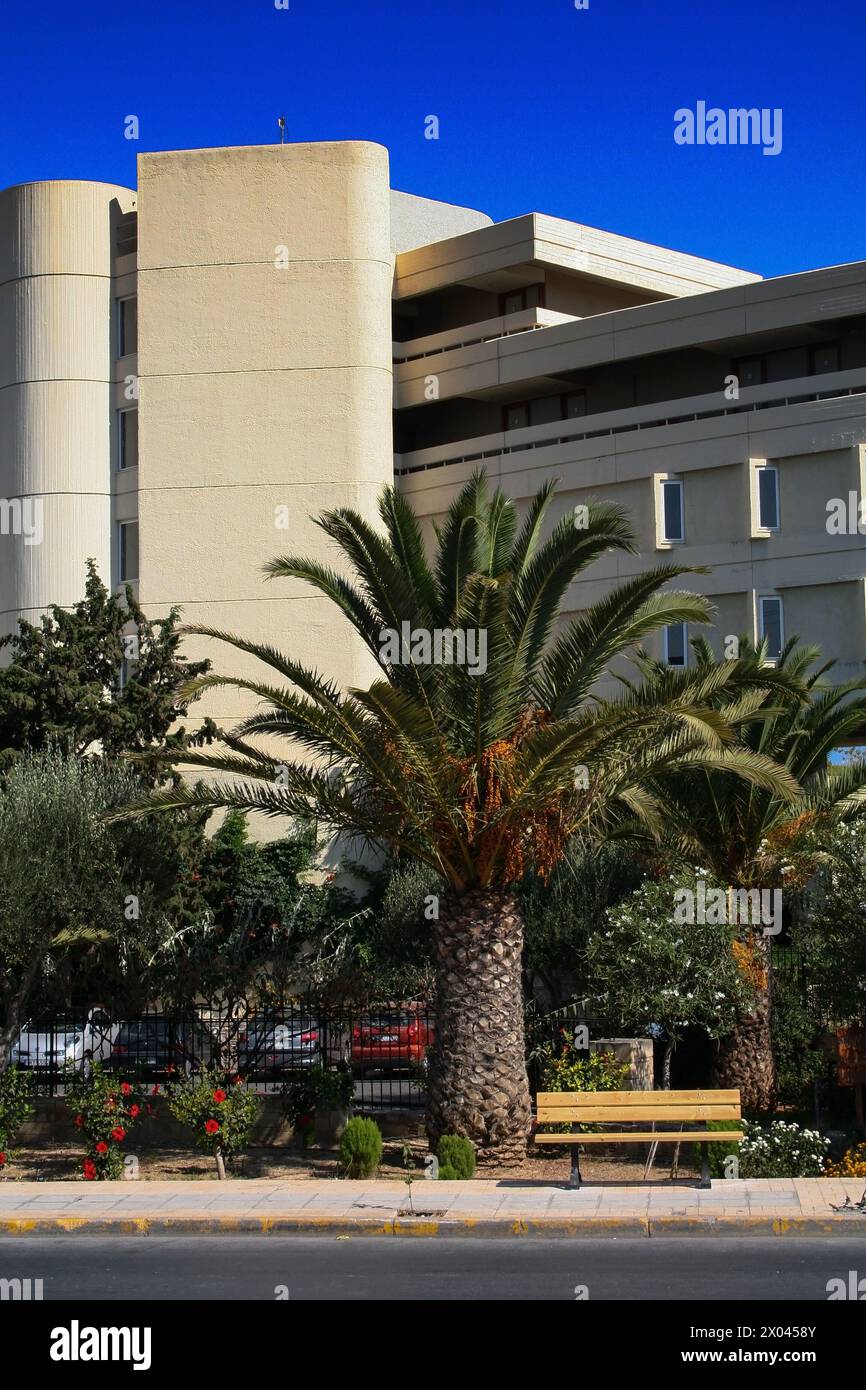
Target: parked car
{"x": 267, "y": 1046}
{"x": 49, "y": 1048}
{"x": 154, "y": 1047}
{"x": 397, "y": 1039}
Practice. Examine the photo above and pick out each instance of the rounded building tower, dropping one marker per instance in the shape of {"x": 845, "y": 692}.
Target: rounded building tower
{"x": 58, "y": 243}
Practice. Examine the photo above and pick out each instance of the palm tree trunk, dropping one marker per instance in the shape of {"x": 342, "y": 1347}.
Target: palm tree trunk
{"x": 478, "y": 1082}
{"x": 745, "y": 1057}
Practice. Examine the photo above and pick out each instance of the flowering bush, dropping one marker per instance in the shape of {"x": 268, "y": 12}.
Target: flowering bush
{"x": 104, "y": 1110}
{"x": 220, "y": 1112}
{"x": 563, "y": 1068}
{"x": 15, "y": 1106}
{"x": 780, "y": 1150}
{"x": 851, "y": 1165}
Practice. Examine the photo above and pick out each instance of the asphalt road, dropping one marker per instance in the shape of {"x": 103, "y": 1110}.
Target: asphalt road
{"x": 87, "y": 1268}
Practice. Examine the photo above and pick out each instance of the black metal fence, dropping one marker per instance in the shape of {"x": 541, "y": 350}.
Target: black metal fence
{"x": 385, "y": 1048}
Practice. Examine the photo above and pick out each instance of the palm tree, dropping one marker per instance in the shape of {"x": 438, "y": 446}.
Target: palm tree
{"x": 482, "y": 770}
{"x": 747, "y": 835}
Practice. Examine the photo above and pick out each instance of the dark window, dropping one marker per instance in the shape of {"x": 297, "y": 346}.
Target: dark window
{"x": 825, "y": 358}
{"x": 672, "y": 515}
{"x": 768, "y": 499}
{"x": 515, "y": 417}
{"x": 751, "y": 371}
{"x": 127, "y": 422}
{"x": 675, "y": 644}
{"x": 772, "y": 627}
{"x": 530, "y": 297}
{"x": 574, "y": 405}
{"x": 128, "y": 550}
{"x": 127, "y": 321}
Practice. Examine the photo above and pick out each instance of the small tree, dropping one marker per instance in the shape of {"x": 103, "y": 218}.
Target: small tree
{"x": 661, "y": 976}
{"x": 69, "y": 883}
{"x": 63, "y": 684}
{"x": 219, "y": 1110}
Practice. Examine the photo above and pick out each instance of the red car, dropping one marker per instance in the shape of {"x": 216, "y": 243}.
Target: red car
{"x": 391, "y": 1039}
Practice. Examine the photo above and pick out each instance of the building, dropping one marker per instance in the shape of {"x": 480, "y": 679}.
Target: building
{"x": 190, "y": 371}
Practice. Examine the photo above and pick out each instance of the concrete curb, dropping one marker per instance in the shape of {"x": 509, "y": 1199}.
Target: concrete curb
{"x": 464, "y": 1227}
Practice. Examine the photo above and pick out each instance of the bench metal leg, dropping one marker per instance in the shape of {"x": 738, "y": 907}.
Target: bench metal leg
{"x": 575, "y": 1179}
{"x": 705, "y": 1166}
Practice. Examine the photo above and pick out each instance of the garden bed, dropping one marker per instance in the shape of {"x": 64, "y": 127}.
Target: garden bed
{"x": 63, "y": 1162}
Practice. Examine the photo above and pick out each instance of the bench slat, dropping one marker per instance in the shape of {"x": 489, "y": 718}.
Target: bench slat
{"x": 638, "y": 1097}
{"x": 649, "y": 1136}
{"x": 550, "y": 1114}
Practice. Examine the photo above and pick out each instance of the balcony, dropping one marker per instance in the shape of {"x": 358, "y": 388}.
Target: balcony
{"x": 828, "y": 397}
{"x": 471, "y": 334}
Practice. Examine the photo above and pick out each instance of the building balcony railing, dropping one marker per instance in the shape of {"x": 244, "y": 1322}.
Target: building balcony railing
{"x": 800, "y": 391}
{"x": 470, "y": 334}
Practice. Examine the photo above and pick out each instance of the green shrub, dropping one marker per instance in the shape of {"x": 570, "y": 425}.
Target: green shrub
{"x": 457, "y": 1155}
{"x": 15, "y": 1107}
{"x": 360, "y": 1148}
{"x": 220, "y": 1114}
{"x": 780, "y": 1150}
{"x": 566, "y": 1069}
{"x": 104, "y": 1109}
{"x": 447, "y": 1173}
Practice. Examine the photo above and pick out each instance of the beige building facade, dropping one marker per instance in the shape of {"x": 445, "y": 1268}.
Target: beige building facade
{"x": 192, "y": 370}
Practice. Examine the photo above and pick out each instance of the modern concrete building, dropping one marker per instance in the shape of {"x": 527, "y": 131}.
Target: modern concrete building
{"x": 192, "y": 370}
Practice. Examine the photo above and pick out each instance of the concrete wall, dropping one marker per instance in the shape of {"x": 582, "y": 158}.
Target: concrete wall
{"x": 265, "y": 366}
{"x": 56, "y": 369}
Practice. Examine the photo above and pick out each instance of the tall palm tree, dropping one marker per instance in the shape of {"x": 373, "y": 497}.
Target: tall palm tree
{"x": 482, "y": 770}
{"x": 747, "y": 835}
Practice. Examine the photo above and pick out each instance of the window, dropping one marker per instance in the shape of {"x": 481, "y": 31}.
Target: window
{"x": 515, "y": 417}
{"x": 530, "y": 297}
{"x": 573, "y": 405}
{"x": 128, "y": 550}
{"x": 673, "y": 521}
{"x": 771, "y": 625}
{"x": 676, "y": 644}
{"x": 768, "y": 498}
{"x": 751, "y": 371}
{"x": 127, "y": 326}
{"x": 127, "y": 439}
{"x": 825, "y": 358}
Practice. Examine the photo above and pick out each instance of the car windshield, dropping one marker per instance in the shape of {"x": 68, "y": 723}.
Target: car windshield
{"x": 144, "y": 1031}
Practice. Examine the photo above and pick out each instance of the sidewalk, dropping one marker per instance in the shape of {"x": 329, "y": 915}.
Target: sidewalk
{"x": 802, "y": 1206}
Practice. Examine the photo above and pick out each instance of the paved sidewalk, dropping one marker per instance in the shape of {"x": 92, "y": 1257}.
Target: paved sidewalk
{"x": 481, "y": 1208}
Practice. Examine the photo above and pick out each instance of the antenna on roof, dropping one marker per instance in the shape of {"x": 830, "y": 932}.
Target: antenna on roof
{"x": 281, "y": 122}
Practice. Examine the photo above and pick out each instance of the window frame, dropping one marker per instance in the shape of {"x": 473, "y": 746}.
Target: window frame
{"x": 122, "y": 349}
{"x": 676, "y": 665}
{"x": 778, "y": 599}
{"x": 122, "y": 552}
{"x": 122, "y": 466}
{"x": 761, "y": 524}
{"x": 666, "y": 539}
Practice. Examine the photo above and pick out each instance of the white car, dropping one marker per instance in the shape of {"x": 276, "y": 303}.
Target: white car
{"x": 51, "y": 1049}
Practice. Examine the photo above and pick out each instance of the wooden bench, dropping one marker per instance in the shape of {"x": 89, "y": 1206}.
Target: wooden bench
{"x": 646, "y": 1110}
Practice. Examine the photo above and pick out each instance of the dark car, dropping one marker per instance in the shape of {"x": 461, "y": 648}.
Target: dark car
{"x": 155, "y": 1048}
{"x": 268, "y": 1047}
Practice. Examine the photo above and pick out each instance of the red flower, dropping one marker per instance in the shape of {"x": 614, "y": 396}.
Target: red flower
{"x": 118, "y": 1133}
{"x": 2, "y": 1160}
{"x": 135, "y": 1111}
{"x": 126, "y": 1088}
{"x": 78, "y": 1121}
{"x": 102, "y": 1147}
{"x": 89, "y": 1169}
{"x": 219, "y": 1096}
{"x": 171, "y": 1068}
{"x": 211, "y": 1127}
{"x": 155, "y": 1091}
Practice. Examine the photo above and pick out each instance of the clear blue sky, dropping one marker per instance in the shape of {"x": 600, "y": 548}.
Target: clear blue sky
{"x": 541, "y": 107}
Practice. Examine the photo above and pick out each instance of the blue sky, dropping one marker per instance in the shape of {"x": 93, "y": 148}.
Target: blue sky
{"x": 541, "y": 106}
